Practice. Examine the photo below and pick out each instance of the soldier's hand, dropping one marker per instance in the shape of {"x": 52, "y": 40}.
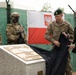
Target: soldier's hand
{"x": 65, "y": 34}
{"x": 71, "y": 41}
{"x": 57, "y": 43}
{"x": 71, "y": 46}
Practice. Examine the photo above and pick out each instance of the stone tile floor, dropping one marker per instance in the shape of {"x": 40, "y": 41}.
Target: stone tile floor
{"x": 74, "y": 73}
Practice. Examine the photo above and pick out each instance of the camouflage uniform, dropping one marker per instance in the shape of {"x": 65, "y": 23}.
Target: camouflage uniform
{"x": 13, "y": 29}
{"x": 55, "y": 30}
{"x": 0, "y": 39}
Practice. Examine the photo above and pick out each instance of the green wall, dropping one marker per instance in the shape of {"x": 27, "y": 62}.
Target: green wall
{"x": 70, "y": 18}
{"x": 3, "y": 24}
{"x": 23, "y": 21}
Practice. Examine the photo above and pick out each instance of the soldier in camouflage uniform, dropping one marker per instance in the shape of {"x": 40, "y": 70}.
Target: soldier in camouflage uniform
{"x": 55, "y": 28}
{"x": 13, "y": 29}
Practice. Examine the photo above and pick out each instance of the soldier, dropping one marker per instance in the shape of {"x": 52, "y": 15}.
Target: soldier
{"x": 15, "y": 31}
{"x": 73, "y": 46}
{"x": 55, "y": 28}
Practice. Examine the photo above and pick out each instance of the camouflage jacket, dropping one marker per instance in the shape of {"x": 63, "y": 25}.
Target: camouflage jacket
{"x": 12, "y": 31}
{"x": 54, "y": 30}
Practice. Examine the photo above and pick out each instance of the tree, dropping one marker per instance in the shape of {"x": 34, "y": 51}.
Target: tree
{"x": 7, "y": 1}
{"x": 46, "y": 7}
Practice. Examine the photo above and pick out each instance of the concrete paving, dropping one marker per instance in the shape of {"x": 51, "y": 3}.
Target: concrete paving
{"x": 74, "y": 73}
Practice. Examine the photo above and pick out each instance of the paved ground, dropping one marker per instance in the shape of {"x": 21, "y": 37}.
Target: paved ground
{"x": 74, "y": 73}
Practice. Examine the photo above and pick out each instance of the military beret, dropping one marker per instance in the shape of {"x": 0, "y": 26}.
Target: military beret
{"x": 58, "y": 11}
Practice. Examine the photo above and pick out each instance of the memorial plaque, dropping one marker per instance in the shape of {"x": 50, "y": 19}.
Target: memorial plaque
{"x": 20, "y": 60}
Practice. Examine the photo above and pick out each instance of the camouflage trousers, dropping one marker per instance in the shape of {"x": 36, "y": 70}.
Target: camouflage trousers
{"x": 68, "y": 67}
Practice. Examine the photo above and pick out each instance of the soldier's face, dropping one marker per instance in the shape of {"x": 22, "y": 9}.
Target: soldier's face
{"x": 58, "y": 17}
{"x": 15, "y": 19}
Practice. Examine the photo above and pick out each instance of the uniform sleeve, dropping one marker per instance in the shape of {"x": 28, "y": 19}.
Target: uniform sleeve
{"x": 24, "y": 33}
{"x": 10, "y": 35}
{"x": 25, "y": 37}
{"x": 71, "y": 32}
{"x": 48, "y": 34}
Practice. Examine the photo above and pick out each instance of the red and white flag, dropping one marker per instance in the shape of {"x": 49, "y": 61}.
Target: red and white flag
{"x": 37, "y": 23}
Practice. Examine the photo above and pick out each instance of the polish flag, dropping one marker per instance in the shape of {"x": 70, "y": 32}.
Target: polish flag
{"x": 37, "y": 23}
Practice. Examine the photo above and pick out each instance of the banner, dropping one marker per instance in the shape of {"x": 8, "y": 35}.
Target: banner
{"x": 37, "y": 23}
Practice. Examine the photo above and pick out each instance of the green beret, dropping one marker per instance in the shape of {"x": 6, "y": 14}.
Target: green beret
{"x": 58, "y": 11}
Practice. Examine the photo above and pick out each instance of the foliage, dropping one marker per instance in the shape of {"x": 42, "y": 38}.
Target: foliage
{"x": 47, "y": 7}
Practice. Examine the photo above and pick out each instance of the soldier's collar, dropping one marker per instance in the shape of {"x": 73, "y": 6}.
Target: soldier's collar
{"x": 14, "y": 23}
{"x": 60, "y": 24}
